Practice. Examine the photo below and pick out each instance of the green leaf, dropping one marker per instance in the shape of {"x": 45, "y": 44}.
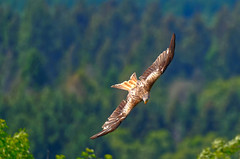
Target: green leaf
{"x": 89, "y": 150}
{"x": 84, "y": 154}
{"x": 107, "y": 156}
{"x": 60, "y": 157}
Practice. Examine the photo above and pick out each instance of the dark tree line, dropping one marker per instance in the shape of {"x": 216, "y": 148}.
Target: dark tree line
{"x": 57, "y": 64}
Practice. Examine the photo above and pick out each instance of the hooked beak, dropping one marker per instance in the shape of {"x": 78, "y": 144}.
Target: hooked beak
{"x": 145, "y": 102}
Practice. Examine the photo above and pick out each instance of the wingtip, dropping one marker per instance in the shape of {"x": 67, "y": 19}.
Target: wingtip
{"x": 174, "y": 35}
{"x": 172, "y": 43}
{"x": 101, "y": 133}
{"x": 93, "y": 137}
{"x": 173, "y": 38}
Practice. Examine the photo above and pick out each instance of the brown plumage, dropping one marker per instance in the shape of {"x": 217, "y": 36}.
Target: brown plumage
{"x": 139, "y": 90}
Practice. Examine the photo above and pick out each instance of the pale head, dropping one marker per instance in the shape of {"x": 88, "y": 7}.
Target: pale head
{"x": 146, "y": 97}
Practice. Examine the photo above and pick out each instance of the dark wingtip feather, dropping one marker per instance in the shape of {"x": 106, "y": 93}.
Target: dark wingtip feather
{"x": 97, "y": 135}
{"x": 172, "y": 44}
{"x": 106, "y": 131}
{"x": 93, "y": 137}
{"x": 101, "y": 133}
{"x": 113, "y": 121}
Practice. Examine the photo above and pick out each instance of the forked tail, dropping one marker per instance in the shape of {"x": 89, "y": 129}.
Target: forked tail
{"x": 127, "y": 85}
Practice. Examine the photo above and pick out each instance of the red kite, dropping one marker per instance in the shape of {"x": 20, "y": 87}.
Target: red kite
{"x": 138, "y": 90}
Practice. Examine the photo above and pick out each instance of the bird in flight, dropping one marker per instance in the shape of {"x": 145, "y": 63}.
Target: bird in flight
{"x": 138, "y": 90}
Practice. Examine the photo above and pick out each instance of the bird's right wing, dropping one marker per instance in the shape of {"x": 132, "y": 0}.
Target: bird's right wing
{"x": 118, "y": 115}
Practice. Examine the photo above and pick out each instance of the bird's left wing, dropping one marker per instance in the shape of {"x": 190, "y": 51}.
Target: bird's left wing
{"x": 118, "y": 115}
{"x": 159, "y": 65}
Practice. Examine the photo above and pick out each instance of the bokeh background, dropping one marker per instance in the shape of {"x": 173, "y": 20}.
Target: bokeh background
{"x": 58, "y": 59}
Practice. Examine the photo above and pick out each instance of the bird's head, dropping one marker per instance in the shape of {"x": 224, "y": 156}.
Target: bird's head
{"x": 146, "y": 97}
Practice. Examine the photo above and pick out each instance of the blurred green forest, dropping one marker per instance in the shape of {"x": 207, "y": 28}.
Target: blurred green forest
{"x": 59, "y": 58}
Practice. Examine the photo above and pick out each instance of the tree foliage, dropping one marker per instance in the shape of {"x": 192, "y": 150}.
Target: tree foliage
{"x": 221, "y": 149}
{"x": 58, "y": 59}
{"x": 16, "y": 146}
{"x": 87, "y": 154}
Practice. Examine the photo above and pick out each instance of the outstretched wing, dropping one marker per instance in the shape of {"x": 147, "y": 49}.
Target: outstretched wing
{"x": 118, "y": 115}
{"x": 159, "y": 66}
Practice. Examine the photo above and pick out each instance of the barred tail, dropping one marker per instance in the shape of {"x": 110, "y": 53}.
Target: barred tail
{"x": 127, "y": 85}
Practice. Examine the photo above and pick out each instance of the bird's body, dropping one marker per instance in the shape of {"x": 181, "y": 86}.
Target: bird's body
{"x": 135, "y": 95}
{"x": 138, "y": 90}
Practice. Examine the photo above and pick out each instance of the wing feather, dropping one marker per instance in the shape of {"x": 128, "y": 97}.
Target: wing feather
{"x": 159, "y": 65}
{"x": 115, "y": 119}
